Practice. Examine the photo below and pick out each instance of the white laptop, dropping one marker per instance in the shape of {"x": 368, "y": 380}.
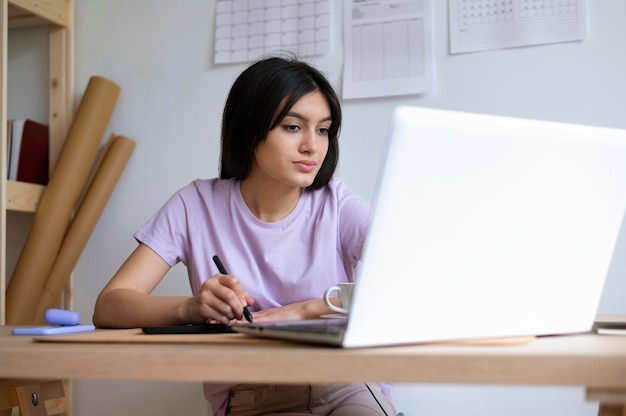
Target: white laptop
{"x": 483, "y": 227}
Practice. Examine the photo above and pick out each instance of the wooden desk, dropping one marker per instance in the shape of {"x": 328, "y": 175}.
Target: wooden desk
{"x": 596, "y": 362}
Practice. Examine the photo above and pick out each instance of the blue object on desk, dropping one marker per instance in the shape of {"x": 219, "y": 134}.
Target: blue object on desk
{"x": 52, "y": 329}
{"x": 61, "y": 322}
{"x": 61, "y": 317}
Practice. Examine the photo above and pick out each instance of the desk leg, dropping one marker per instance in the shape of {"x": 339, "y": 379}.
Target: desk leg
{"x": 29, "y": 396}
{"x": 31, "y": 400}
{"x": 612, "y": 402}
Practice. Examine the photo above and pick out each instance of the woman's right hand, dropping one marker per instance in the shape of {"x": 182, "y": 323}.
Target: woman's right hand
{"x": 220, "y": 298}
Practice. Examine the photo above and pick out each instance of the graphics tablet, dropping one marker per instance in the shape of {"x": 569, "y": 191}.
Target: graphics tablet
{"x": 189, "y": 329}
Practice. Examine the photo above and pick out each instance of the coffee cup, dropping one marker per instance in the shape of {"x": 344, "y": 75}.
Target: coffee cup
{"x": 344, "y": 292}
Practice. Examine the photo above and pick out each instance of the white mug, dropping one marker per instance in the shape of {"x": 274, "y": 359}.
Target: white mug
{"x": 344, "y": 291}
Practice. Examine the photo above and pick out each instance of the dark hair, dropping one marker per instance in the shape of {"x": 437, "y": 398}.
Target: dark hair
{"x": 252, "y": 110}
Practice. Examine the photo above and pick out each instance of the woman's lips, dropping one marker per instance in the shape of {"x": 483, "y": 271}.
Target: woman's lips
{"x": 306, "y": 166}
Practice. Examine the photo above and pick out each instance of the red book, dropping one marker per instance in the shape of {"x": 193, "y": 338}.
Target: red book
{"x": 33, "y": 162}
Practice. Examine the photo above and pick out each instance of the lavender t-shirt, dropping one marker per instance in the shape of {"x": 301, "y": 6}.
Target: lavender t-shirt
{"x": 317, "y": 245}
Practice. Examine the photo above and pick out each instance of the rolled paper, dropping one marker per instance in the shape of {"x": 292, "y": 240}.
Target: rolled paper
{"x": 57, "y": 203}
{"x": 86, "y": 218}
{"x": 94, "y": 170}
{"x": 96, "y": 166}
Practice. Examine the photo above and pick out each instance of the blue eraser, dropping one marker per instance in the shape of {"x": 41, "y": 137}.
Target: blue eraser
{"x": 61, "y": 317}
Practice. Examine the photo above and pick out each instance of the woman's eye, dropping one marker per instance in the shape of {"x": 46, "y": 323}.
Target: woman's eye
{"x": 323, "y": 131}
{"x": 292, "y": 128}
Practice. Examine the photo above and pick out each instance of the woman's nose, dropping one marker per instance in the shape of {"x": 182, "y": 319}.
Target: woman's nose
{"x": 309, "y": 142}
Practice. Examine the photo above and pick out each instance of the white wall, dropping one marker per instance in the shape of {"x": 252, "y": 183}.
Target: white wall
{"x": 160, "y": 52}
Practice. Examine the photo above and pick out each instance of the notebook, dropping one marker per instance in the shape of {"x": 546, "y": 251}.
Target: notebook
{"x": 483, "y": 227}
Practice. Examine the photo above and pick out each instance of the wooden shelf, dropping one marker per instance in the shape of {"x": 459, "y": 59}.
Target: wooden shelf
{"x": 26, "y": 13}
{"x": 57, "y": 17}
{"x": 23, "y": 196}
{"x": 16, "y": 196}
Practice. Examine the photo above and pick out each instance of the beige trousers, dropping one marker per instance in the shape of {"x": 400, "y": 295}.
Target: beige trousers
{"x": 327, "y": 400}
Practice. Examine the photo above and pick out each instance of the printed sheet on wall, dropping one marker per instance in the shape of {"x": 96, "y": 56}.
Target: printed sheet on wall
{"x": 387, "y": 48}
{"x": 480, "y": 25}
{"x": 248, "y": 29}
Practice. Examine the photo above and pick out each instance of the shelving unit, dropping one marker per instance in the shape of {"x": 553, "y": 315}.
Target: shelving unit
{"x": 57, "y": 16}
{"x": 21, "y": 196}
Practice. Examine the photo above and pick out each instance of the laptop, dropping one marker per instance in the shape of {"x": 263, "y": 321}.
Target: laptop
{"x": 483, "y": 227}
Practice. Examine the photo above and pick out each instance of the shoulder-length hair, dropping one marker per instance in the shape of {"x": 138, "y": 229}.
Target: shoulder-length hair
{"x": 253, "y": 108}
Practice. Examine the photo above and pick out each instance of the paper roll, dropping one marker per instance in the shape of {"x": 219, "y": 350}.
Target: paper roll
{"x": 118, "y": 151}
{"x": 58, "y": 200}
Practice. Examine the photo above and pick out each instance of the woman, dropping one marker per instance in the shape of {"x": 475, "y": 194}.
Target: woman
{"x": 280, "y": 222}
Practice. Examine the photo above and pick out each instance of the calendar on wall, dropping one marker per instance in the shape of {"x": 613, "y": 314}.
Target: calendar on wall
{"x": 248, "y": 29}
{"x": 478, "y": 25}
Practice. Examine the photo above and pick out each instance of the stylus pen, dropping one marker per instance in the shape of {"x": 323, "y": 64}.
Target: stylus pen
{"x": 222, "y": 269}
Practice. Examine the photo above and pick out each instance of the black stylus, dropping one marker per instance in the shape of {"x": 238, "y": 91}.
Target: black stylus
{"x": 222, "y": 269}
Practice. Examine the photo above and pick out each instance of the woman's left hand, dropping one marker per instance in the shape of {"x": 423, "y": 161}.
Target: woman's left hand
{"x": 308, "y": 309}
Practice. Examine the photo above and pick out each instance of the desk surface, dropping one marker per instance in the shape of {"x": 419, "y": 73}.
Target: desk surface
{"x": 586, "y": 360}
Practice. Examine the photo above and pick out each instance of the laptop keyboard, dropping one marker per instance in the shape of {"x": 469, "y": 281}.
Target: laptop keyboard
{"x": 325, "y": 326}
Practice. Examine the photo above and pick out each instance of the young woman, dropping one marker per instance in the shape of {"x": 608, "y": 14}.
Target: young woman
{"x": 280, "y": 222}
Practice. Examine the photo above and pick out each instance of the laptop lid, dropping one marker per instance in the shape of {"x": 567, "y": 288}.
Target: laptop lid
{"x": 483, "y": 227}
{"x": 488, "y": 226}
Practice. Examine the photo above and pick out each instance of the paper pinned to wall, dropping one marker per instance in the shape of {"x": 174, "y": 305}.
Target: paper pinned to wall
{"x": 248, "y": 29}
{"x": 479, "y": 25}
{"x": 388, "y": 49}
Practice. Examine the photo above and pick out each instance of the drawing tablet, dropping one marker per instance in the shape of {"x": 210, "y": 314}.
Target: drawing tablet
{"x": 188, "y": 329}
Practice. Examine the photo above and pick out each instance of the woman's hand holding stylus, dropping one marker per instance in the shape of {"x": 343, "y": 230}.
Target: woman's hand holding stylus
{"x": 220, "y": 298}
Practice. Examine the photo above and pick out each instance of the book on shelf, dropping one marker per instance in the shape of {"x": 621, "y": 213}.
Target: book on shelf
{"x": 28, "y": 150}
{"x": 15, "y": 144}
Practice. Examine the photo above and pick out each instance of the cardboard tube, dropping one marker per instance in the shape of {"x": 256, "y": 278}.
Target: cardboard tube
{"x": 97, "y": 164}
{"x": 118, "y": 151}
{"x": 96, "y": 167}
{"x": 58, "y": 200}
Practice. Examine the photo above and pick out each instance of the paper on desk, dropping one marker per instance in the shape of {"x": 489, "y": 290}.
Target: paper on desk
{"x": 388, "y": 48}
{"x": 477, "y": 25}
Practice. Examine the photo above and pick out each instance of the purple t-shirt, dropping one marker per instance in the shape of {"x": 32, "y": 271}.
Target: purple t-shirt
{"x": 316, "y": 246}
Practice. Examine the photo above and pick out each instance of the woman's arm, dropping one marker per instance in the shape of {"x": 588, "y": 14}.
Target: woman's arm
{"x": 126, "y": 301}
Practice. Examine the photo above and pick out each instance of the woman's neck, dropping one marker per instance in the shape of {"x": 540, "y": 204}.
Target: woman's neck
{"x": 269, "y": 202}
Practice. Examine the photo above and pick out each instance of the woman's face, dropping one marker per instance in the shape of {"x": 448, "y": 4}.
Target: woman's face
{"x": 293, "y": 152}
